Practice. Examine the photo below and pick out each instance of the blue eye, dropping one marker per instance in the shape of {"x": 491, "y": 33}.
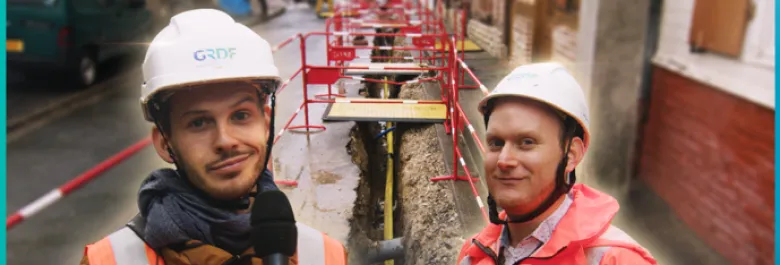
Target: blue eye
{"x": 495, "y": 144}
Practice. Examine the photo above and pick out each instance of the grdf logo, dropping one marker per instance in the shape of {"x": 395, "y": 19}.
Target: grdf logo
{"x": 522, "y": 75}
{"x": 214, "y": 54}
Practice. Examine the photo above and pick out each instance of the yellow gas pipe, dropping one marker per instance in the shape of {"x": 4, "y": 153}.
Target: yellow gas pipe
{"x": 389, "y": 182}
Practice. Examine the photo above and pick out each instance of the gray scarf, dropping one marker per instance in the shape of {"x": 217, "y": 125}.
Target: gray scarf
{"x": 176, "y": 212}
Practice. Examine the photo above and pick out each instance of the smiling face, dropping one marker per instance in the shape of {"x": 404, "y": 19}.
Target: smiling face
{"x": 218, "y": 133}
{"x": 524, "y": 150}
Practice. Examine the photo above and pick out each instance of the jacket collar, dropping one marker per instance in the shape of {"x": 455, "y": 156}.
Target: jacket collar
{"x": 589, "y": 215}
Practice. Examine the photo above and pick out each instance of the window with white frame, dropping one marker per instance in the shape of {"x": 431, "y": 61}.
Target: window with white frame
{"x": 759, "y": 48}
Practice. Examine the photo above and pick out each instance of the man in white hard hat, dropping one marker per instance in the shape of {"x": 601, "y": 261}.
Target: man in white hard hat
{"x": 537, "y": 133}
{"x": 207, "y": 81}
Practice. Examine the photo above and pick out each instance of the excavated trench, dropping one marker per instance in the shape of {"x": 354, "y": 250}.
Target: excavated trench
{"x": 424, "y": 216}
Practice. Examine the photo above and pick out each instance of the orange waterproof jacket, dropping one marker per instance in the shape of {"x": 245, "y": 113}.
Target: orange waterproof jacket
{"x": 584, "y": 236}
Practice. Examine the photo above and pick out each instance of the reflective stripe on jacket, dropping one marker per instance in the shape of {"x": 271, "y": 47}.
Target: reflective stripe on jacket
{"x": 124, "y": 247}
{"x": 583, "y": 236}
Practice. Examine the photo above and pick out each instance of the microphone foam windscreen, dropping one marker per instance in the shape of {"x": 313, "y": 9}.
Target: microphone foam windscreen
{"x": 273, "y": 224}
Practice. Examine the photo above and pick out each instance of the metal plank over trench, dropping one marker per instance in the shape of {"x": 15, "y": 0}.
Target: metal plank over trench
{"x": 381, "y": 68}
{"x": 470, "y": 46}
{"x": 395, "y": 112}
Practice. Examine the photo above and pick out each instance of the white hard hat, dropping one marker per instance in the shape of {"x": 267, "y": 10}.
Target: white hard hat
{"x": 205, "y": 46}
{"x": 548, "y": 83}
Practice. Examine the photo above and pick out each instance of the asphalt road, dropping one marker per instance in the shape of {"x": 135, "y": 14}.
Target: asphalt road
{"x": 47, "y": 153}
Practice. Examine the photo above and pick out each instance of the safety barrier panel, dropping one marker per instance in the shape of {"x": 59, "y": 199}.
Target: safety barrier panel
{"x": 451, "y": 80}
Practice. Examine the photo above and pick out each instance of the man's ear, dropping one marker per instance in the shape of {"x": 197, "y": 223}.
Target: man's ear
{"x": 161, "y": 145}
{"x": 576, "y": 154}
{"x": 267, "y": 114}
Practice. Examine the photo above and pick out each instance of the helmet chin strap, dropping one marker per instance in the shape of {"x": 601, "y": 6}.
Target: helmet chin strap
{"x": 563, "y": 184}
{"x": 243, "y": 202}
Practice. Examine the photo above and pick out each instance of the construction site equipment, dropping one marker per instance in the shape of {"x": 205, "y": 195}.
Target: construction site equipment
{"x": 441, "y": 67}
{"x": 318, "y": 8}
{"x": 437, "y": 67}
{"x": 434, "y": 65}
{"x": 411, "y": 111}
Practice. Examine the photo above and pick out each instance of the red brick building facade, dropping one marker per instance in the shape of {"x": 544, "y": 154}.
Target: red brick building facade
{"x": 707, "y": 146}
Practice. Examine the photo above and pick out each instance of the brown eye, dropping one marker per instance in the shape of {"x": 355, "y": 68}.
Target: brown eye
{"x": 527, "y": 141}
{"x": 241, "y": 115}
{"x": 197, "y": 123}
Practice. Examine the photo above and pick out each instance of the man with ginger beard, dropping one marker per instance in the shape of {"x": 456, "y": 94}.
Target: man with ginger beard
{"x": 537, "y": 133}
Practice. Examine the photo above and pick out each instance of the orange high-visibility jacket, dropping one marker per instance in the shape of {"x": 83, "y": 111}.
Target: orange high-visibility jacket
{"x": 584, "y": 236}
{"x": 125, "y": 247}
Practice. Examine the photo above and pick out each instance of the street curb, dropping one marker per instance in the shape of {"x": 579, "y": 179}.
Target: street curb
{"x": 74, "y": 101}
{"x": 257, "y": 20}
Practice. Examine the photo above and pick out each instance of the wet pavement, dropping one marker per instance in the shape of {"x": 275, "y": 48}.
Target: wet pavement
{"x": 326, "y": 176}
{"x": 30, "y": 93}
{"x": 59, "y": 149}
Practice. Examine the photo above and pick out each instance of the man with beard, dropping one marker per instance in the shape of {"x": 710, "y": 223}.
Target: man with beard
{"x": 207, "y": 81}
{"x": 537, "y": 133}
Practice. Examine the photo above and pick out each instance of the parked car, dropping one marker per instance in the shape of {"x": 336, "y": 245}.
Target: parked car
{"x": 74, "y": 36}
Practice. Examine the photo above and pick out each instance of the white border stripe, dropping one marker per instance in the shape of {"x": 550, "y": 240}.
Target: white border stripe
{"x": 311, "y": 246}
{"x": 128, "y": 248}
{"x": 41, "y": 203}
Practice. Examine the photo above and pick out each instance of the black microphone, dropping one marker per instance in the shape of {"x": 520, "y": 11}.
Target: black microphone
{"x": 274, "y": 233}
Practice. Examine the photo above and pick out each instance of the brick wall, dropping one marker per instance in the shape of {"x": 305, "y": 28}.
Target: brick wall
{"x": 522, "y": 40}
{"x": 498, "y": 13}
{"x": 710, "y": 156}
{"x": 491, "y": 39}
{"x": 564, "y": 45}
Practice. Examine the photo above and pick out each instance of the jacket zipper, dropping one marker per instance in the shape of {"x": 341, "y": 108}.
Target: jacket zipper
{"x": 487, "y": 251}
{"x": 233, "y": 260}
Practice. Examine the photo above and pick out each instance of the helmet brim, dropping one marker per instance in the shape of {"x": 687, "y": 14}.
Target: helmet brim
{"x": 264, "y": 85}
{"x": 483, "y": 104}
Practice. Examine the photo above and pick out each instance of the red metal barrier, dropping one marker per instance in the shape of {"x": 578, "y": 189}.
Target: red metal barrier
{"x": 330, "y": 74}
{"x": 451, "y": 76}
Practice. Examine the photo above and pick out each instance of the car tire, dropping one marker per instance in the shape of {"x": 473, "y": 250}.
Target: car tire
{"x": 84, "y": 72}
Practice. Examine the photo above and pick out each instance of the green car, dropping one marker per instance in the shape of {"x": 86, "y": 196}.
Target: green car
{"x": 74, "y": 36}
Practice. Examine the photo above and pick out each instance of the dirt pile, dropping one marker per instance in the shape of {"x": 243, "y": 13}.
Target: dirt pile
{"x": 431, "y": 227}
{"x": 424, "y": 211}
